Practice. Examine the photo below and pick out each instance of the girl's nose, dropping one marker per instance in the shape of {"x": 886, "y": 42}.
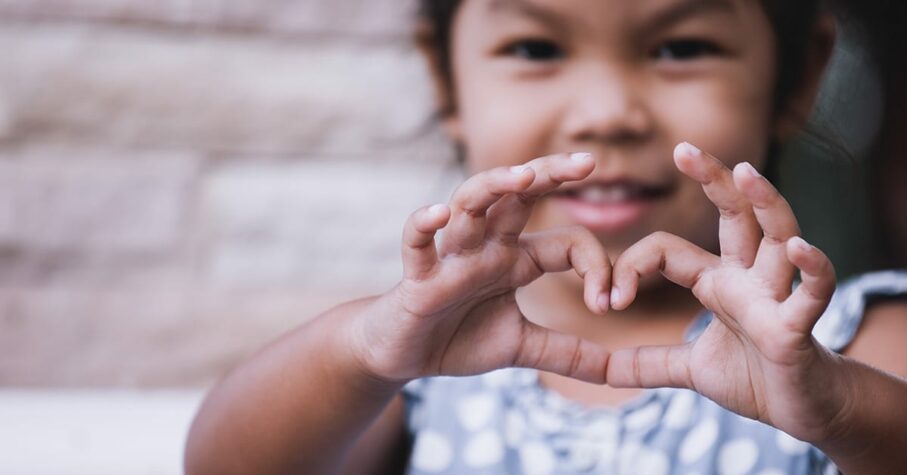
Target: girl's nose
{"x": 606, "y": 105}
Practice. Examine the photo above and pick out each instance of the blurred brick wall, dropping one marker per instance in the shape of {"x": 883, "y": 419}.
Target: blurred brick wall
{"x": 182, "y": 180}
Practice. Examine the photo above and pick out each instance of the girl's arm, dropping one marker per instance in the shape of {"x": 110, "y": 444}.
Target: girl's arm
{"x": 296, "y": 407}
{"x": 300, "y": 405}
{"x": 385, "y": 447}
{"x": 871, "y": 435}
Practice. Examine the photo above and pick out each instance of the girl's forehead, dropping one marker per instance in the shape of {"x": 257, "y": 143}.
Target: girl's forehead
{"x": 654, "y": 13}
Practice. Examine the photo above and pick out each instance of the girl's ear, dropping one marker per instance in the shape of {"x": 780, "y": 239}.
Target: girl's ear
{"x": 797, "y": 109}
{"x": 441, "y": 78}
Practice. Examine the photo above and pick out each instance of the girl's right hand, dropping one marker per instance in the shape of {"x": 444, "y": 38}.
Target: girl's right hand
{"x": 455, "y": 311}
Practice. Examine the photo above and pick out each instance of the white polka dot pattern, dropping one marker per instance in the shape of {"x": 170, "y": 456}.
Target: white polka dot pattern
{"x": 475, "y": 412}
{"x": 537, "y": 458}
{"x": 653, "y": 462}
{"x": 484, "y": 449}
{"x": 772, "y": 471}
{"x": 432, "y": 452}
{"x": 699, "y": 441}
{"x": 680, "y": 412}
{"x": 643, "y": 417}
{"x": 546, "y": 421}
{"x": 637, "y": 459}
{"x": 737, "y": 457}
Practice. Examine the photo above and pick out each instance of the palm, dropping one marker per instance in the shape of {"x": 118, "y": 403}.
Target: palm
{"x": 471, "y": 304}
{"x": 757, "y": 357}
{"x": 455, "y": 312}
{"x": 742, "y": 349}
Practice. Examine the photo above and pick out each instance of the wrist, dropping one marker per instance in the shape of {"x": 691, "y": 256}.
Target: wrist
{"x": 871, "y": 433}
{"x": 365, "y": 338}
{"x": 843, "y": 432}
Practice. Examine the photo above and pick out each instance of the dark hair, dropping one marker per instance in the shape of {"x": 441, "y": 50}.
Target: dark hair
{"x": 791, "y": 21}
{"x": 882, "y": 24}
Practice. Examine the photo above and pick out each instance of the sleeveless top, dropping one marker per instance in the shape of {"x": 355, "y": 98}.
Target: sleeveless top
{"x": 505, "y": 422}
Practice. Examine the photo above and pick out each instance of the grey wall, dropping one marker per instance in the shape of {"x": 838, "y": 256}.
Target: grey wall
{"x": 181, "y": 180}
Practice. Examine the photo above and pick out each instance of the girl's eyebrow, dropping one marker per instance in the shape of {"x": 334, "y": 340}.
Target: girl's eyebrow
{"x": 681, "y": 10}
{"x": 528, "y": 8}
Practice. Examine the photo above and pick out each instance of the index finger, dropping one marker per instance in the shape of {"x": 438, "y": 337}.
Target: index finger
{"x": 679, "y": 260}
{"x": 575, "y": 247}
{"x": 739, "y": 232}
{"x": 471, "y": 200}
{"x": 508, "y": 217}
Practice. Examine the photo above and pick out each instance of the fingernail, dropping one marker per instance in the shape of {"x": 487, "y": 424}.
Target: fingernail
{"x": 690, "y": 149}
{"x": 748, "y": 168}
{"x": 800, "y": 244}
{"x": 603, "y": 301}
{"x": 519, "y": 169}
{"x": 581, "y": 157}
{"x": 436, "y": 209}
{"x": 615, "y": 295}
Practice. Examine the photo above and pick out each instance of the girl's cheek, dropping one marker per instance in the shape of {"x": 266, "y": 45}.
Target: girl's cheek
{"x": 507, "y": 121}
{"x": 727, "y": 120}
{"x": 504, "y": 136}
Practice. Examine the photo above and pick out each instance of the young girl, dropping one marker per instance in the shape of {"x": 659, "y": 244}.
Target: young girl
{"x": 548, "y": 365}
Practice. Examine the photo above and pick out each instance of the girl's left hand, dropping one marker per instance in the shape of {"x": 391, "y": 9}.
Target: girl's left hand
{"x": 757, "y": 357}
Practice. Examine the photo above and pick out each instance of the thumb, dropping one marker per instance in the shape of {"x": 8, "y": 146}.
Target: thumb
{"x": 651, "y": 367}
{"x": 566, "y": 355}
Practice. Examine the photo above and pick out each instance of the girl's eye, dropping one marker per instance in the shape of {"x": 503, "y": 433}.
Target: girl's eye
{"x": 685, "y": 50}
{"x": 535, "y": 50}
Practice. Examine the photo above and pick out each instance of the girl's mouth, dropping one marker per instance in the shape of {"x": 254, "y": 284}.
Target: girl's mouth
{"x": 609, "y": 206}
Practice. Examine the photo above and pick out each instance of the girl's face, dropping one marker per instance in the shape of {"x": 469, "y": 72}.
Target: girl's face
{"x": 626, "y": 80}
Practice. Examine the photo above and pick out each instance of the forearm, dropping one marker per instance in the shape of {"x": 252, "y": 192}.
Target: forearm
{"x": 296, "y": 407}
{"x": 870, "y": 436}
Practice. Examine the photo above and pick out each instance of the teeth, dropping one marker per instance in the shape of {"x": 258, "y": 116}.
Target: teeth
{"x": 605, "y": 194}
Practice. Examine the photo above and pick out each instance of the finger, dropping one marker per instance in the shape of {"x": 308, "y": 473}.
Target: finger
{"x": 470, "y": 203}
{"x": 567, "y": 355}
{"x": 807, "y": 303}
{"x": 419, "y": 253}
{"x": 778, "y": 224}
{"x": 739, "y": 232}
{"x": 650, "y": 367}
{"x": 573, "y": 247}
{"x": 679, "y": 260}
{"x": 508, "y": 217}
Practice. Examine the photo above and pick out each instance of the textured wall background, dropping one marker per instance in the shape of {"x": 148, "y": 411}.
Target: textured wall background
{"x": 181, "y": 180}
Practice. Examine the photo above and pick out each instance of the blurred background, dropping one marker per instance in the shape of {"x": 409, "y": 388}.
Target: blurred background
{"x": 183, "y": 180}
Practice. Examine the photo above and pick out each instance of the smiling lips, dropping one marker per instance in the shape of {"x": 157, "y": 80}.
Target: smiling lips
{"x": 611, "y": 206}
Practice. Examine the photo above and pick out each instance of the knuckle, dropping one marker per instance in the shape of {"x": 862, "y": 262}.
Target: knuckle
{"x": 579, "y": 231}
{"x": 416, "y": 227}
{"x": 714, "y": 172}
{"x": 661, "y": 237}
{"x": 576, "y": 358}
{"x": 468, "y": 189}
{"x": 472, "y": 212}
{"x": 525, "y": 199}
{"x": 732, "y": 211}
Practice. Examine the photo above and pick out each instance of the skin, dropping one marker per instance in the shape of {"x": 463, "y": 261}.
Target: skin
{"x": 457, "y": 310}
